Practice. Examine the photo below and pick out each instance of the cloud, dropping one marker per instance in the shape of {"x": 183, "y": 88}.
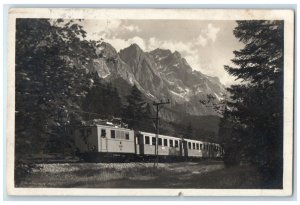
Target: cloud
{"x": 131, "y": 28}
{"x": 107, "y": 29}
{"x": 207, "y": 35}
{"x": 211, "y": 32}
{"x": 194, "y": 62}
{"x": 100, "y": 28}
{"x": 201, "y": 40}
{"x": 183, "y": 48}
{"x": 138, "y": 40}
{"x": 119, "y": 44}
{"x": 113, "y": 24}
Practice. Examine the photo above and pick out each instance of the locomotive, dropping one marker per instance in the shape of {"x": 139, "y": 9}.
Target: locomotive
{"x": 100, "y": 142}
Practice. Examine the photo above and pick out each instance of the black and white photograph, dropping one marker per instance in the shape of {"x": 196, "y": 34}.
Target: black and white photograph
{"x": 151, "y": 99}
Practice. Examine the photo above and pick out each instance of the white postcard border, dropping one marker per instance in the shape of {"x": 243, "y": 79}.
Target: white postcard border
{"x": 198, "y": 14}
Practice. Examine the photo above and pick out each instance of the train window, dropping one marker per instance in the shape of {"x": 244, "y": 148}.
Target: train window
{"x": 147, "y": 140}
{"x": 153, "y": 141}
{"x": 200, "y": 146}
{"x": 190, "y": 145}
{"x": 112, "y": 134}
{"x": 127, "y": 135}
{"x": 194, "y": 146}
{"x": 171, "y": 143}
{"x": 176, "y": 143}
{"x": 165, "y": 142}
{"x": 197, "y": 146}
{"x": 159, "y": 141}
{"x": 103, "y": 133}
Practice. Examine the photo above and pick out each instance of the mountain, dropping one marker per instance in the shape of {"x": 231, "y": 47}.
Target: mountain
{"x": 159, "y": 74}
{"x": 185, "y": 85}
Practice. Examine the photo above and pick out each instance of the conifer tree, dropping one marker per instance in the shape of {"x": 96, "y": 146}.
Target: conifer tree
{"x": 136, "y": 108}
{"x": 103, "y": 99}
{"x": 189, "y": 130}
{"x": 256, "y": 104}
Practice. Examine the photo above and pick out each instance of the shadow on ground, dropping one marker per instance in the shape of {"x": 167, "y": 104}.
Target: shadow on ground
{"x": 206, "y": 174}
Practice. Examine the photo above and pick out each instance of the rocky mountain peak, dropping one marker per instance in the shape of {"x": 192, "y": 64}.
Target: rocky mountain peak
{"x": 132, "y": 55}
{"x": 162, "y": 74}
{"x": 133, "y": 49}
{"x": 161, "y": 52}
{"x": 176, "y": 54}
{"x": 107, "y": 50}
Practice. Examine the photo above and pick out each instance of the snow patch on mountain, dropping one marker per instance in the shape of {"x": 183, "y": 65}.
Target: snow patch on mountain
{"x": 179, "y": 96}
{"x": 218, "y": 97}
{"x": 160, "y": 74}
{"x": 150, "y": 95}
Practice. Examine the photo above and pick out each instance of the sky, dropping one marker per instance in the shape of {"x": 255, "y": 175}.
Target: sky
{"x": 206, "y": 45}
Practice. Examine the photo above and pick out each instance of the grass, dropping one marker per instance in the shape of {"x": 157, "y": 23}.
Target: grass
{"x": 142, "y": 175}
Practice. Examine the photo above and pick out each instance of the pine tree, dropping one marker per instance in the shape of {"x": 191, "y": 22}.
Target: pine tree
{"x": 103, "y": 99}
{"x": 256, "y": 104}
{"x": 136, "y": 109}
{"x": 189, "y": 130}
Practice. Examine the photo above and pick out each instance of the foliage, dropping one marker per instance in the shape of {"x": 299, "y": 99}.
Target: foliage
{"x": 189, "y": 129}
{"x": 253, "y": 121}
{"x": 102, "y": 99}
{"x": 136, "y": 112}
{"x": 48, "y": 80}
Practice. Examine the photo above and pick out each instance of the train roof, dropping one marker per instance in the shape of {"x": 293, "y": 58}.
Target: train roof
{"x": 106, "y": 126}
{"x": 166, "y": 136}
{"x": 197, "y": 141}
{"x": 171, "y": 137}
{"x": 192, "y": 140}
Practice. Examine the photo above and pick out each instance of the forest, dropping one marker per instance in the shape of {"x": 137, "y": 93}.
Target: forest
{"x": 53, "y": 94}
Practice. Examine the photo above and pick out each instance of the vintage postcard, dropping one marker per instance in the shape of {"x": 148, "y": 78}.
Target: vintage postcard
{"x": 150, "y": 102}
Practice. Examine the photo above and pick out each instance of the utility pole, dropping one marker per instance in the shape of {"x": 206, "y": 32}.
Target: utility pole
{"x": 157, "y": 104}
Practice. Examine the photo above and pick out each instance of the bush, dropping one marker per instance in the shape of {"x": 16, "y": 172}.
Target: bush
{"x": 232, "y": 157}
{"x": 22, "y": 171}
